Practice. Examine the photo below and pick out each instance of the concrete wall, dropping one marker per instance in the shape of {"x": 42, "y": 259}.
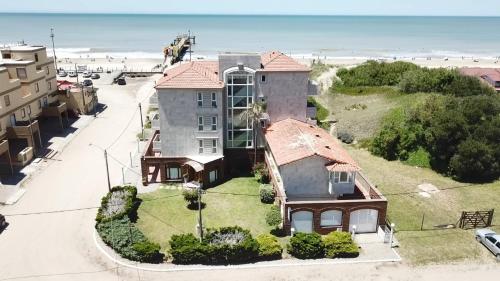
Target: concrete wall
{"x": 227, "y": 61}
{"x": 307, "y": 177}
{"x": 179, "y": 113}
{"x": 285, "y": 94}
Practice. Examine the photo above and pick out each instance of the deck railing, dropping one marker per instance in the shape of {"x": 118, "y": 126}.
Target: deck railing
{"x": 367, "y": 187}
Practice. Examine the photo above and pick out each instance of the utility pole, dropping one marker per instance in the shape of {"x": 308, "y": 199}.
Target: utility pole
{"x": 142, "y": 122}
{"x": 190, "y": 43}
{"x": 53, "y": 47}
{"x": 107, "y": 169}
{"x": 200, "y": 221}
{"x": 76, "y": 72}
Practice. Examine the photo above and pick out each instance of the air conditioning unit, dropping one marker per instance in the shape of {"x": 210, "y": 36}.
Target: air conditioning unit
{"x": 25, "y": 155}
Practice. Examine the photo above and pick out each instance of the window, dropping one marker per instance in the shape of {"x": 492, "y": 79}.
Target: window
{"x": 491, "y": 239}
{"x": 7, "y": 56}
{"x": 39, "y": 103}
{"x": 45, "y": 101}
{"x": 212, "y": 176}
{"x": 240, "y": 92}
{"x": 173, "y": 173}
{"x": 200, "y": 123}
{"x": 49, "y": 85}
{"x": 200, "y": 146}
{"x": 200, "y": 99}
{"x": 342, "y": 177}
{"x": 7, "y": 100}
{"x": 214, "y": 100}
{"x": 21, "y": 73}
{"x": 214, "y": 123}
{"x": 36, "y": 57}
{"x": 331, "y": 218}
{"x": 263, "y": 78}
{"x": 47, "y": 71}
{"x": 37, "y": 87}
{"x": 214, "y": 146}
{"x": 23, "y": 113}
{"x": 29, "y": 109}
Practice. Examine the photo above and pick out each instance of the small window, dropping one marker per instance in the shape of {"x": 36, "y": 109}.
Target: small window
{"x": 214, "y": 100}
{"x": 36, "y": 57}
{"x": 342, "y": 177}
{"x": 174, "y": 173}
{"x": 200, "y": 123}
{"x": 214, "y": 146}
{"x": 29, "y": 109}
{"x": 47, "y": 70}
{"x": 39, "y": 103}
{"x": 21, "y": 73}
{"x": 37, "y": 87}
{"x": 200, "y": 146}
{"x": 212, "y": 176}
{"x": 7, "y": 100}
{"x": 49, "y": 85}
{"x": 200, "y": 99}
{"x": 45, "y": 101}
{"x": 263, "y": 78}
{"x": 7, "y": 56}
{"x": 214, "y": 123}
{"x": 23, "y": 113}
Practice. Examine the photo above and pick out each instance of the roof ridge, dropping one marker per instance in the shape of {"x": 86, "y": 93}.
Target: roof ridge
{"x": 303, "y": 135}
{"x": 279, "y": 54}
{"x": 204, "y": 72}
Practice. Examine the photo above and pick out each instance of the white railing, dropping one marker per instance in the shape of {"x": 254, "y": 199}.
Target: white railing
{"x": 155, "y": 122}
{"x": 157, "y": 143}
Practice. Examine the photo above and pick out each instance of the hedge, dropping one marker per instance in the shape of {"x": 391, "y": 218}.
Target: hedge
{"x": 269, "y": 247}
{"x": 340, "y": 245}
{"x": 119, "y": 202}
{"x": 273, "y": 216}
{"x": 306, "y": 246}
{"x": 267, "y": 194}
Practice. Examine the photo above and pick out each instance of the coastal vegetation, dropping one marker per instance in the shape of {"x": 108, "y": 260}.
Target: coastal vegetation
{"x": 453, "y": 128}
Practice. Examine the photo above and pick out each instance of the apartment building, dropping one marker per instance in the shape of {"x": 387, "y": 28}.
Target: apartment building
{"x": 28, "y": 87}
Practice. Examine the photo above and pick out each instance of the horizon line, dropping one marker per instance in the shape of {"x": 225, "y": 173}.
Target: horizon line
{"x": 236, "y": 14}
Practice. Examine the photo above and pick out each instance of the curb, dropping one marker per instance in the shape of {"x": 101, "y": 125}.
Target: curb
{"x": 180, "y": 268}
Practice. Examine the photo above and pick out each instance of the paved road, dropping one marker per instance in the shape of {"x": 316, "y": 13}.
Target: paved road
{"x": 59, "y": 246}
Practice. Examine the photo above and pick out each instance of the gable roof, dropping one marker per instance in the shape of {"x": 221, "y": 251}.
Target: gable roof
{"x": 291, "y": 140}
{"x": 192, "y": 75}
{"x": 277, "y": 61}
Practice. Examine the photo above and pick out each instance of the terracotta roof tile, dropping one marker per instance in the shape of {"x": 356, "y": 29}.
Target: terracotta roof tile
{"x": 277, "y": 61}
{"x": 493, "y": 73}
{"x": 291, "y": 140}
{"x": 192, "y": 75}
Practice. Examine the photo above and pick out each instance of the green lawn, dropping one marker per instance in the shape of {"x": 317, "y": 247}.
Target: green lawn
{"x": 236, "y": 202}
{"x": 406, "y": 207}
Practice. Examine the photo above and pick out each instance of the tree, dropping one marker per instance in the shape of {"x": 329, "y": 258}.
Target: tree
{"x": 254, "y": 113}
{"x": 475, "y": 161}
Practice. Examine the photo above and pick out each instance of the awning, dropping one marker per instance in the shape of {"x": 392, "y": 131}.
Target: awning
{"x": 195, "y": 165}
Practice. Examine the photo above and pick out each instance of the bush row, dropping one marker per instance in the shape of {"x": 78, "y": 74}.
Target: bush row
{"x": 121, "y": 201}
{"x": 226, "y": 245}
{"x": 313, "y": 246}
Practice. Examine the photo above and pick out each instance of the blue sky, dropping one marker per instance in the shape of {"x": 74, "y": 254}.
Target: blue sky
{"x": 308, "y": 7}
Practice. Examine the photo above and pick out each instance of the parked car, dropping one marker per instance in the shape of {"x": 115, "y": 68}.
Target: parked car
{"x": 3, "y": 222}
{"x": 87, "y": 83}
{"x": 72, "y": 74}
{"x": 489, "y": 239}
{"x": 95, "y": 76}
{"x": 121, "y": 81}
{"x": 87, "y": 74}
{"x": 62, "y": 73}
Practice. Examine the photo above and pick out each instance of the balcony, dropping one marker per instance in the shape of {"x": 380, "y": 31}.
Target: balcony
{"x": 153, "y": 100}
{"x": 4, "y": 146}
{"x": 23, "y": 129}
{"x": 156, "y": 143}
{"x": 312, "y": 88}
{"x": 155, "y": 121}
{"x": 55, "y": 109}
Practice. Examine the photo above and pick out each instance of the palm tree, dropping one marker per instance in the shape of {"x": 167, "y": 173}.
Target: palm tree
{"x": 254, "y": 113}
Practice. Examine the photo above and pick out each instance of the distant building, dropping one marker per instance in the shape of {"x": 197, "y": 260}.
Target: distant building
{"x": 28, "y": 90}
{"x": 488, "y": 75}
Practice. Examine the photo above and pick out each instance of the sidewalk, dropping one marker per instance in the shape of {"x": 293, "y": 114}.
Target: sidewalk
{"x": 11, "y": 189}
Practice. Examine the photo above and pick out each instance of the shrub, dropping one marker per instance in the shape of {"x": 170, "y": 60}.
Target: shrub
{"x": 321, "y": 112}
{"x": 269, "y": 247}
{"x": 148, "y": 252}
{"x": 261, "y": 173}
{"x": 267, "y": 194}
{"x": 128, "y": 241}
{"x": 345, "y": 137}
{"x": 230, "y": 245}
{"x": 340, "y": 245}
{"x": 187, "y": 249}
{"x": 306, "y": 246}
{"x": 119, "y": 202}
{"x": 273, "y": 216}
{"x": 475, "y": 161}
{"x": 191, "y": 196}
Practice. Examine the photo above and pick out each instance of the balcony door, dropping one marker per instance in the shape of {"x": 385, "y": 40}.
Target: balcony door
{"x": 13, "y": 120}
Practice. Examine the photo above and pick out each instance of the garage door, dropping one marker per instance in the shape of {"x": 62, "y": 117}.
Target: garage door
{"x": 365, "y": 220}
{"x": 302, "y": 221}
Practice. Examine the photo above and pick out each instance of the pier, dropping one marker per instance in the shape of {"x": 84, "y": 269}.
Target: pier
{"x": 179, "y": 47}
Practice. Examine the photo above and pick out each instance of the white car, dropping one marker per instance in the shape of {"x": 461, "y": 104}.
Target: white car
{"x": 87, "y": 74}
{"x": 489, "y": 239}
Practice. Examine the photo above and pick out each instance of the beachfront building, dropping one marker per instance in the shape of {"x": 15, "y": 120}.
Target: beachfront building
{"x": 28, "y": 90}
{"x": 203, "y": 134}
{"x": 491, "y": 76}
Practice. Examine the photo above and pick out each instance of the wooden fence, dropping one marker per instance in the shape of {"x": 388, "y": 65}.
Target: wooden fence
{"x": 476, "y": 219}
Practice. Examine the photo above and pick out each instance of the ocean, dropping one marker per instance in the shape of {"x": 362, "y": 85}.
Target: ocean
{"x": 144, "y": 36}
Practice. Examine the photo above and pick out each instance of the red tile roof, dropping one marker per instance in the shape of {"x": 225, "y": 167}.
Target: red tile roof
{"x": 277, "y": 61}
{"x": 192, "y": 75}
{"x": 492, "y": 73}
{"x": 291, "y": 140}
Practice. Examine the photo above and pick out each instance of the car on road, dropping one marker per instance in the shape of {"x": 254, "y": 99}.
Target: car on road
{"x": 87, "y": 74}
{"x": 3, "y": 222}
{"x": 62, "y": 73}
{"x": 121, "y": 81}
{"x": 489, "y": 239}
{"x": 95, "y": 76}
{"x": 73, "y": 74}
{"x": 87, "y": 83}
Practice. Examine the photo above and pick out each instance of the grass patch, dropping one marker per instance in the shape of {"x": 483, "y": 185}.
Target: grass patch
{"x": 419, "y": 158}
{"x": 364, "y": 90}
{"x": 399, "y": 183}
{"x": 164, "y": 212}
{"x": 321, "y": 112}
{"x": 319, "y": 68}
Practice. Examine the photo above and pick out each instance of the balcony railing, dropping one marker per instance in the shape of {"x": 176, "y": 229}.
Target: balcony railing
{"x": 153, "y": 100}
{"x": 155, "y": 122}
{"x": 22, "y": 129}
{"x": 156, "y": 143}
